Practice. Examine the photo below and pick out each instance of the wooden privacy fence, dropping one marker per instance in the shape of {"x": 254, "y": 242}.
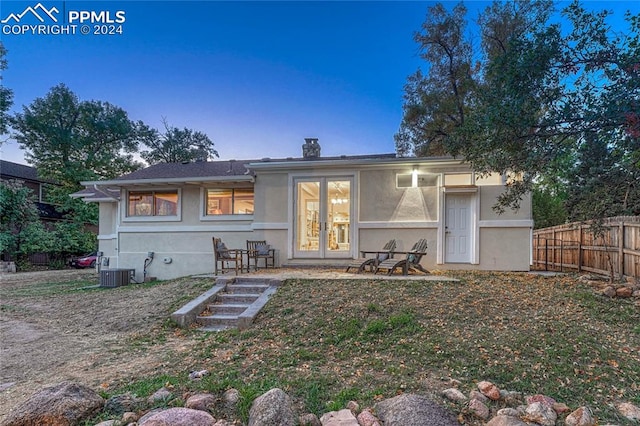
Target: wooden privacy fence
{"x": 614, "y": 251}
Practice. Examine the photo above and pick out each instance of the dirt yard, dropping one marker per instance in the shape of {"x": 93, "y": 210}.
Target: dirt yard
{"x": 47, "y": 336}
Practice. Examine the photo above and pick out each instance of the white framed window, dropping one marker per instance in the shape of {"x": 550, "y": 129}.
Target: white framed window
{"x": 153, "y": 205}
{"x": 228, "y": 201}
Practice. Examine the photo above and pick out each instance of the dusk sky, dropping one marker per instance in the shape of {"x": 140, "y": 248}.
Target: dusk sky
{"x": 256, "y": 77}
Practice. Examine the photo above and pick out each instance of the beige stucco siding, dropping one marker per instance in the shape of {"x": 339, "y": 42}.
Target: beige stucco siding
{"x": 271, "y": 197}
{"x": 381, "y": 201}
{"x": 107, "y": 218}
{"x": 190, "y": 252}
{"x": 489, "y": 196}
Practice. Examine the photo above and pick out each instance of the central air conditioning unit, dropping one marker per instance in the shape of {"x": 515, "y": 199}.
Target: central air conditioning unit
{"x": 115, "y": 277}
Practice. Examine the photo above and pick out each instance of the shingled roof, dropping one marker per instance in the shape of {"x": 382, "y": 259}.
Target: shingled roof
{"x": 191, "y": 170}
{"x": 10, "y": 170}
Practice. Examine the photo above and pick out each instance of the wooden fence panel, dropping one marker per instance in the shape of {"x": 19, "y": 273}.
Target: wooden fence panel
{"x": 616, "y": 250}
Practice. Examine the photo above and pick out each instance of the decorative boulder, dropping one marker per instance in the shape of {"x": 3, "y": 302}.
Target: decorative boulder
{"x": 489, "y": 390}
{"x": 273, "y": 408}
{"x": 339, "y": 418}
{"x": 580, "y": 417}
{"x": 64, "y": 404}
{"x": 413, "y": 410}
{"x": 178, "y": 417}
{"x": 201, "y": 401}
{"x": 541, "y": 413}
{"x": 505, "y": 421}
{"x": 629, "y": 411}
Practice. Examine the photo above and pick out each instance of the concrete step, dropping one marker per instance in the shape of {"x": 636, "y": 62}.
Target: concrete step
{"x": 228, "y": 299}
{"x": 218, "y": 320}
{"x": 227, "y": 308}
{"x": 247, "y": 288}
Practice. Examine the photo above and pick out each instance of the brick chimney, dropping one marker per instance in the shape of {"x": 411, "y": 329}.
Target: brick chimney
{"x": 311, "y": 148}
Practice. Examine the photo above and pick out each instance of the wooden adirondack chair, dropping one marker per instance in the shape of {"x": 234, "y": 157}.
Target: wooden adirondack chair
{"x": 373, "y": 261}
{"x": 410, "y": 262}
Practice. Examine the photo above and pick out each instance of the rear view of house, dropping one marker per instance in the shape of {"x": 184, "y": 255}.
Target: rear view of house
{"x": 312, "y": 210}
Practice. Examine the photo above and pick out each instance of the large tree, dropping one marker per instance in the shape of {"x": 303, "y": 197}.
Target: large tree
{"x": 176, "y": 145}
{"x": 542, "y": 93}
{"x": 18, "y": 218}
{"x": 6, "y": 95}
{"x": 436, "y": 103}
{"x": 69, "y": 140}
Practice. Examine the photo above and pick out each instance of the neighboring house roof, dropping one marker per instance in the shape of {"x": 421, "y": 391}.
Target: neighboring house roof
{"x": 95, "y": 193}
{"x": 9, "y": 170}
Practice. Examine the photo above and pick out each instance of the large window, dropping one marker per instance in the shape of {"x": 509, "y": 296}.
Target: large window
{"x": 229, "y": 201}
{"x": 153, "y": 203}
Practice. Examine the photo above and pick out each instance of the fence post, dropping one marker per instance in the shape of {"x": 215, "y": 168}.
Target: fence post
{"x": 580, "y": 249}
{"x": 621, "y": 248}
{"x": 561, "y": 255}
{"x": 546, "y": 254}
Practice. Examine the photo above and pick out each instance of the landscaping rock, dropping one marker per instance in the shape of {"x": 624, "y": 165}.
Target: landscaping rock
{"x": 609, "y": 291}
{"x": 560, "y": 408}
{"x": 478, "y": 409}
{"x": 109, "y": 423}
{"x": 309, "y": 419}
{"x": 629, "y": 411}
{"x": 161, "y": 395}
{"x": 547, "y": 400}
{"x": 511, "y": 397}
{"x": 474, "y": 394}
{"x": 273, "y": 408}
{"x": 453, "y": 394}
{"x": 178, "y": 417}
{"x": 353, "y": 406}
{"x": 624, "y": 292}
{"x": 506, "y": 421}
{"x": 580, "y": 417}
{"x": 129, "y": 417}
{"x": 489, "y": 390}
{"x": 366, "y": 418}
{"x": 64, "y": 404}
{"x": 231, "y": 397}
{"x": 201, "y": 401}
{"x": 120, "y": 404}
{"x": 413, "y": 410}
{"x": 541, "y": 413}
{"x": 339, "y": 418}
{"x": 508, "y": 412}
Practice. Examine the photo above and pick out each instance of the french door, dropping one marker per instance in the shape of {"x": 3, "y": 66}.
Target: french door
{"x": 323, "y": 211}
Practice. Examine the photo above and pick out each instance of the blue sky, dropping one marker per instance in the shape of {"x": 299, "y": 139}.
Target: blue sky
{"x": 257, "y": 77}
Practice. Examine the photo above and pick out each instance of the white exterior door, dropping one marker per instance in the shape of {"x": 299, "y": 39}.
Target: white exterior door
{"x": 458, "y": 228}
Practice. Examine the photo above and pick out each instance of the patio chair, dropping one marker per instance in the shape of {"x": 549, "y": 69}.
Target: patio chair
{"x": 226, "y": 259}
{"x": 411, "y": 262}
{"x": 373, "y": 261}
{"x": 257, "y": 250}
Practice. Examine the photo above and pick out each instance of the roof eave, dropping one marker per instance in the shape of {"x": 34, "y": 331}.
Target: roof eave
{"x": 161, "y": 181}
{"x": 440, "y": 161}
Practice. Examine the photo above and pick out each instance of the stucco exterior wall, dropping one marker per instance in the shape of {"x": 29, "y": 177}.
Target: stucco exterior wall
{"x": 381, "y": 201}
{"x": 271, "y": 193}
{"x": 381, "y": 210}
